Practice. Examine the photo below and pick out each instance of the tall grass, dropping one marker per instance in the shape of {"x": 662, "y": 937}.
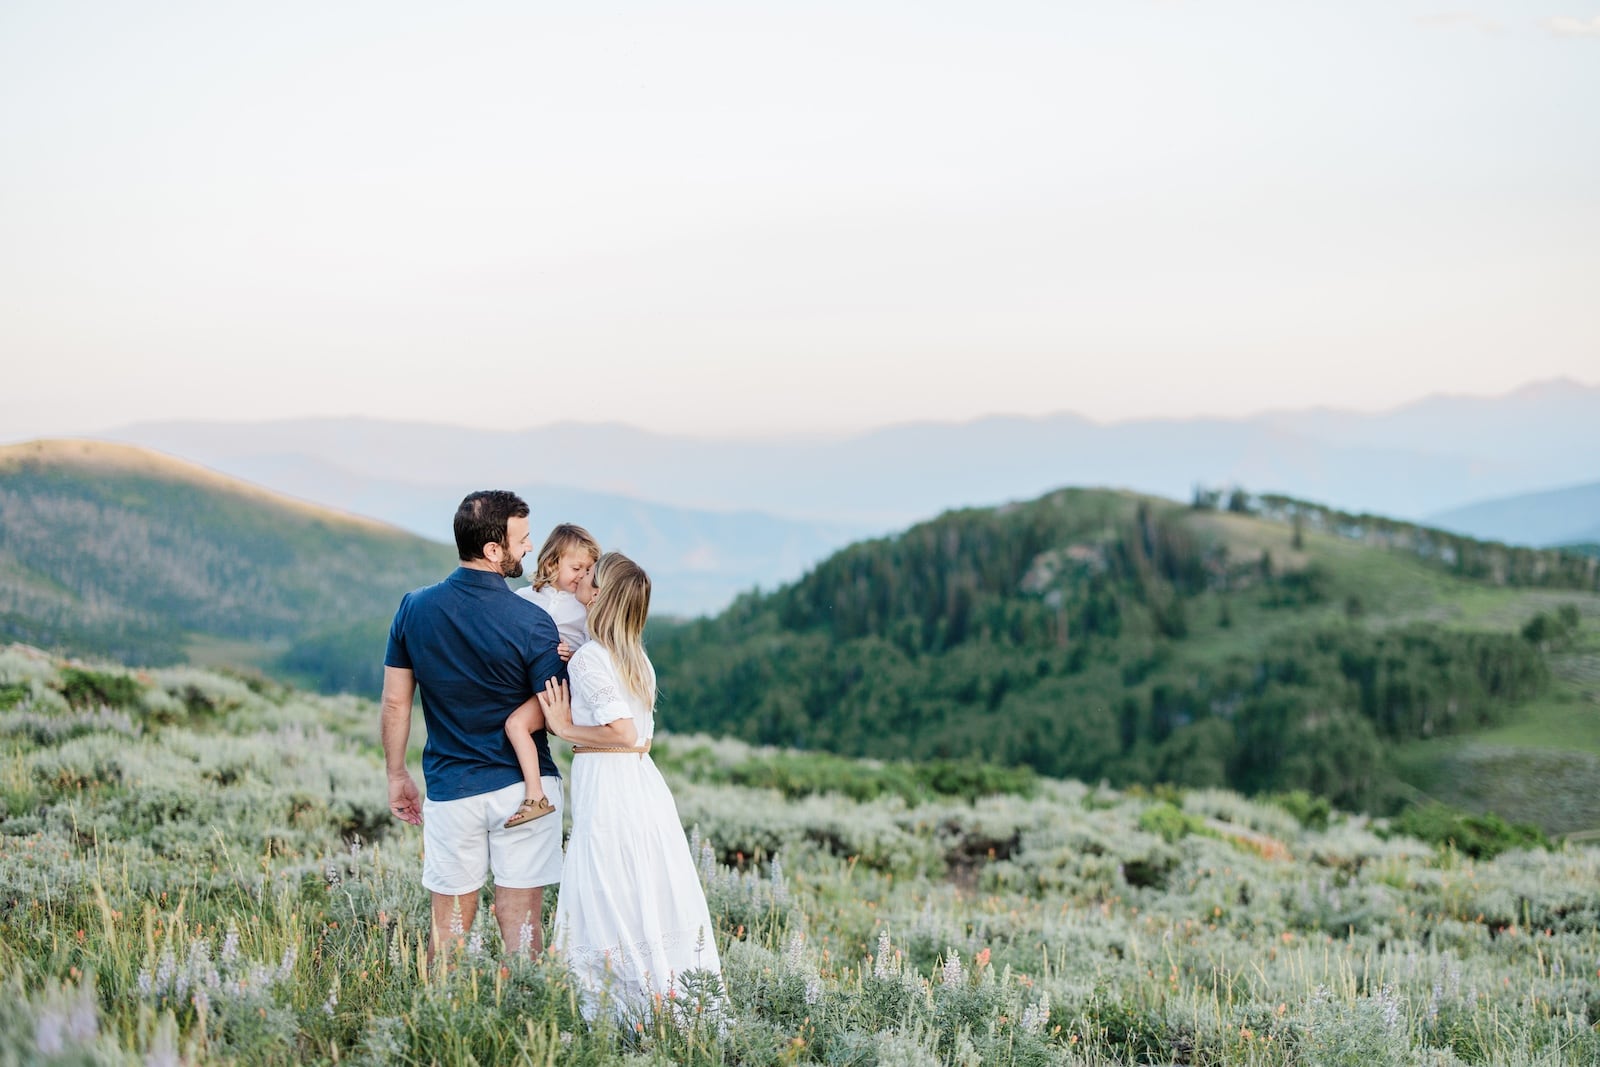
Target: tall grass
{"x": 205, "y": 874}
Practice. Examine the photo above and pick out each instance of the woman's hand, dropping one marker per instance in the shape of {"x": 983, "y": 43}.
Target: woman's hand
{"x": 557, "y": 706}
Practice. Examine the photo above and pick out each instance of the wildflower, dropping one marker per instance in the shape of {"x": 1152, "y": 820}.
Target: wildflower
{"x": 166, "y": 969}
{"x": 794, "y": 951}
{"x": 525, "y": 936}
{"x": 881, "y": 966}
{"x": 1391, "y": 1008}
{"x": 1034, "y": 1016}
{"x": 230, "y": 945}
{"x": 780, "y": 888}
{"x": 953, "y": 973}
{"x": 48, "y": 1033}
{"x": 981, "y": 960}
{"x": 813, "y": 989}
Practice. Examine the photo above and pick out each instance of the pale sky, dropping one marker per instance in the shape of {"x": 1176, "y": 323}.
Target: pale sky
{"x": 782, "y": 217}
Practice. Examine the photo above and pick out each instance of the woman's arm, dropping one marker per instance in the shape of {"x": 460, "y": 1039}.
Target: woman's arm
{"x": 557, "y": 705}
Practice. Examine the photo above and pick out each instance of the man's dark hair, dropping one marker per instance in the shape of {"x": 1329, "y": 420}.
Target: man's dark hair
{"x": 482, "y": 518}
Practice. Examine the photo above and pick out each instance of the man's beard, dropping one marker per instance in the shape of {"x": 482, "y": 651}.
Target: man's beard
{"x": 510, "y": 568}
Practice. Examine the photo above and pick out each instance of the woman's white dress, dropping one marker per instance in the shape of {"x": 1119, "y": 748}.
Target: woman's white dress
{"x": 631, "y": 917}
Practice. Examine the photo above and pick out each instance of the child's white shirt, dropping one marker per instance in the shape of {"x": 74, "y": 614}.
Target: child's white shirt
{"x": 571, "y": 617}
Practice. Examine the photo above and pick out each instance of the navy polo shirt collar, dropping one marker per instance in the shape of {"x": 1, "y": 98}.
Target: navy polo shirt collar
{"x": 473, "y": 576}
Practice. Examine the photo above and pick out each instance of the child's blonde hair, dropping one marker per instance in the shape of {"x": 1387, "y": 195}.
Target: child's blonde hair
{"x": 616, "y": 621}
{"x": 564, "y": 538}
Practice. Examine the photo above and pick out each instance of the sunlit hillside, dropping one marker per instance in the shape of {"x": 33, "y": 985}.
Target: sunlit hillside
{"x": 127, "y": 553}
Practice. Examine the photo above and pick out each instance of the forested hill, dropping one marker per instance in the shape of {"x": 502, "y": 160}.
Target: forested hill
{"x": 1262, "y": 645}
{"x": 126, "y": 553}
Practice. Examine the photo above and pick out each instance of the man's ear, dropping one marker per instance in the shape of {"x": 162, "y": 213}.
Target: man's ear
{"x": 497, "y": 548}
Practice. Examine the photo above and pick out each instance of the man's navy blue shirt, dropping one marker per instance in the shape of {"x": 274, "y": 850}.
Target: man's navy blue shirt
{"x": 477, "y": 651}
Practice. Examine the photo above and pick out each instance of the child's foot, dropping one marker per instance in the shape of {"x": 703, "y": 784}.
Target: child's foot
{"x": 529, "y": 810}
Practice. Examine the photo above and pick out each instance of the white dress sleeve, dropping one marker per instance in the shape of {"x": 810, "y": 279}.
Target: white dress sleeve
{"x": 595, "y": 680}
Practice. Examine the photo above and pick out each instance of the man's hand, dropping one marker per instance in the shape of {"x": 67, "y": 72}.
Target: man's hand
{"x": 405, "y": 803}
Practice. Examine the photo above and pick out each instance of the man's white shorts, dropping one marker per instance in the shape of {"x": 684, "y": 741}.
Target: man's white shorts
{"x": 462, "y": 840}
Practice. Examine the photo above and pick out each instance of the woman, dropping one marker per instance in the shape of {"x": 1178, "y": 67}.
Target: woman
{"x": 632, "y": 918}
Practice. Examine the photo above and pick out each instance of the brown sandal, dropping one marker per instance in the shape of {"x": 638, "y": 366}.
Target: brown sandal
{"x": 529, "y": 810}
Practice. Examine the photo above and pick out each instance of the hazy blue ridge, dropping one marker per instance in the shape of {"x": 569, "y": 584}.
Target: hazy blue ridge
{"x": 1418, "y": 460}
{"x": 1549, "y": 518}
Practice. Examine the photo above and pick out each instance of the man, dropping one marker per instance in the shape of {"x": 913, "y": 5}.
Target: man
{"x": 477, "y": 651}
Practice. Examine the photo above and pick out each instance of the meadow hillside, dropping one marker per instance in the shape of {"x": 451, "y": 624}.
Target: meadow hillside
{"x": 1253, "y": 643}
{"x": 1257, "y": 644}
{"x": 196, "y": 869}
{"x": 120, "y": 552}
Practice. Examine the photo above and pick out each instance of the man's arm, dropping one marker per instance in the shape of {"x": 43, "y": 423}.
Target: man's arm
{"x": 546, "y": 661}
{"x": 405, "y": 803}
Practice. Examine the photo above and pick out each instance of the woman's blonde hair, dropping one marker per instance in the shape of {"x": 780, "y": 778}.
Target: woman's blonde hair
{"x": 616, "y": 620}
{"x": 564, "y": 538}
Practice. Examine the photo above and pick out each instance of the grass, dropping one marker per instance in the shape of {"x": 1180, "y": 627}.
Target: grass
{"x": 206, "y": 875}
{"x": 1565, "y": 721}
{"x": 1540, "y": 766}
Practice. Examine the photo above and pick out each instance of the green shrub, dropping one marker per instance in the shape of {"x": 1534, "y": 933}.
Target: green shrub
{"x": 806, "y": 774}
{"x": 1169, "y": 823}
{"x": 1478, "y": 836}
{"x": 1311, "y": 812}
{"x": 85, "y": 688}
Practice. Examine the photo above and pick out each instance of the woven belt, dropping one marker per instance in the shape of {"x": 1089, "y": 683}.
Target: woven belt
{"x": 584, "y": 750}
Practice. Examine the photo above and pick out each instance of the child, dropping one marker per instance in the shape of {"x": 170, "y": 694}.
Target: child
{"x": 561, "y": 587}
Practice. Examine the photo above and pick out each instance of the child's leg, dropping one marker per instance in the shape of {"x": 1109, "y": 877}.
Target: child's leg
{"x": 519, "y": 729}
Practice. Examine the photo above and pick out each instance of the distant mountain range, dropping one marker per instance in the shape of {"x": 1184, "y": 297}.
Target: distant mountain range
{"x": 1558, "y": 517}
{"x": 742, "y": 513}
